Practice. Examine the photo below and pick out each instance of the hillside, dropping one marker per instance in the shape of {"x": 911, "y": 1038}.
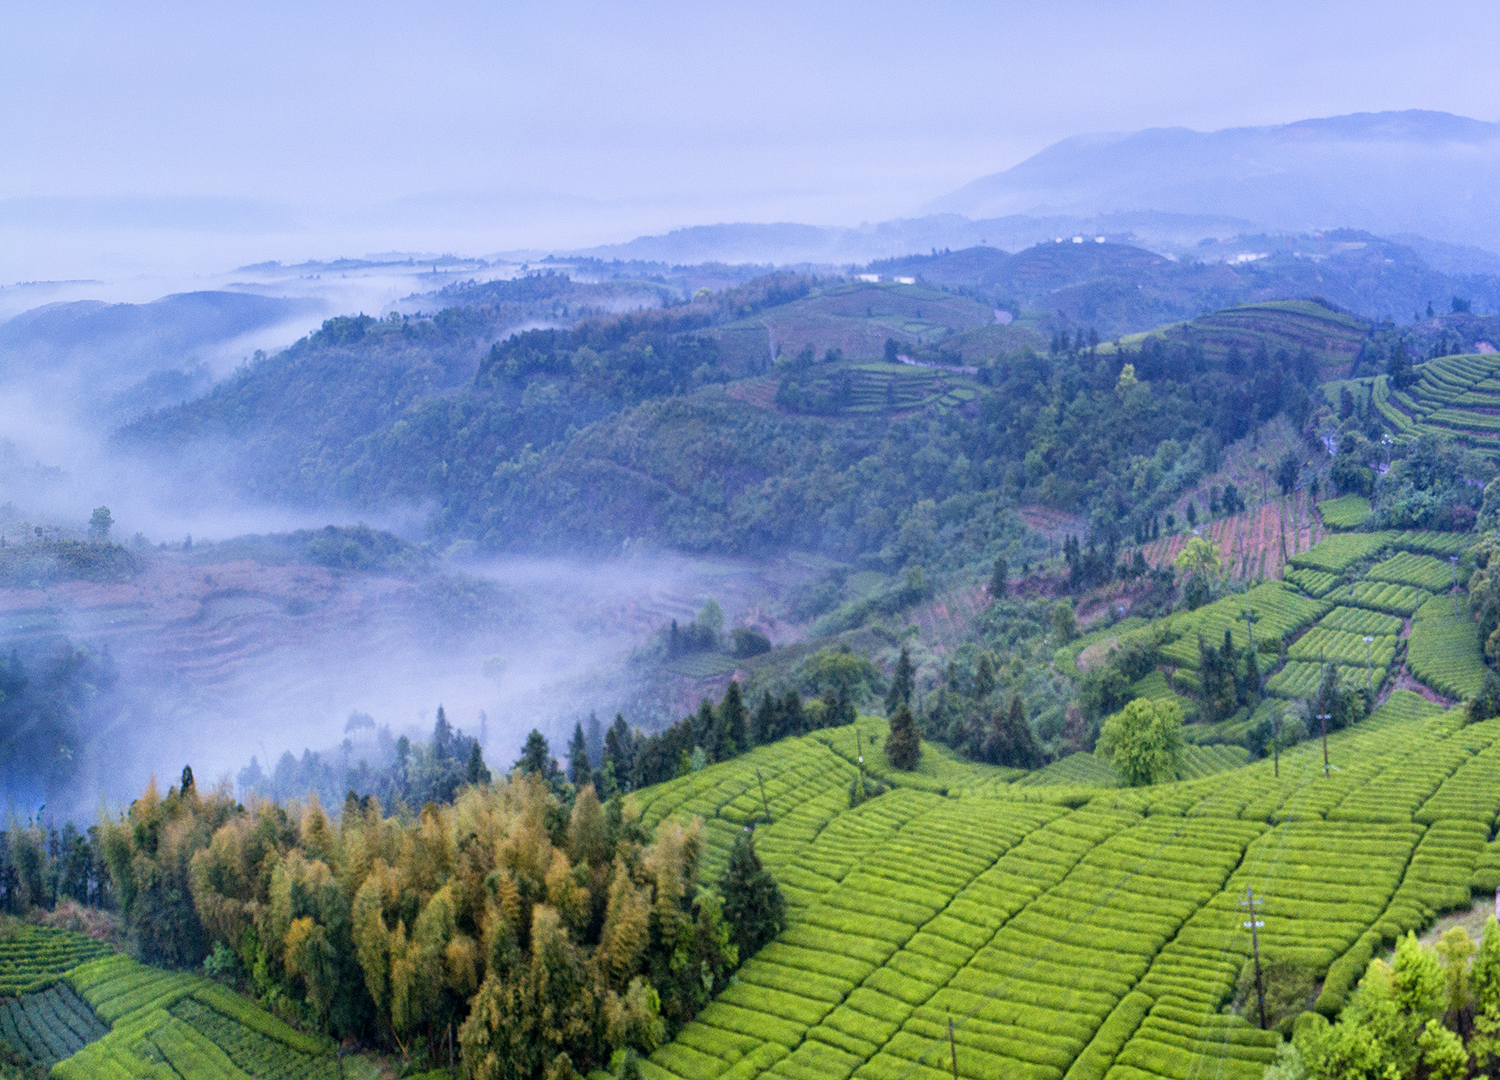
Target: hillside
{"x": 1070, "y": 931}
{"x": 1119, "y": 288}
{"x": 750, "y": 420}
{"x": 1070, "y": 928}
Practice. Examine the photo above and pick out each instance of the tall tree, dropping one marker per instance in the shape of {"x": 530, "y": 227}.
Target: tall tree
{"x": 734, "y": 717}
{"x": 578, "y": 757}
{"x": 753, "y": 904}
{"x": 1000, "y": 580}
{"x": 902, "y": 683}
{"x": 1143, "y": 741}
{"x": 903, "y": 746}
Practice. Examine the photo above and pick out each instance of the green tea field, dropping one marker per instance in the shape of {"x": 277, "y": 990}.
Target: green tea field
{"x": 1070, "y": 929}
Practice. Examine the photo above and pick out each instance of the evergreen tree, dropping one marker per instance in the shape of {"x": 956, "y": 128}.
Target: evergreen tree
{"x": 765, "y": 727}
{"x": 902, "y": 683}
{"x": 734, "y": 718}
{"x": 984, "y": 678}
{"x": 477, "y": 772}
{"x": 536, "y": 756}
{"x": 594, "y": 740}
{"x": 619, "y": 749}
{"x": 753, "y": 905}
{"x": 1011, "y": 742}
{"x": 903, "y": 746}
{"x": 1000, "y": 580}
{"x": 578, "y": 758}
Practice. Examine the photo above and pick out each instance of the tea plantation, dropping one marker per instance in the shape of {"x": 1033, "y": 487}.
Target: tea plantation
{"x": 1070, "y": 929}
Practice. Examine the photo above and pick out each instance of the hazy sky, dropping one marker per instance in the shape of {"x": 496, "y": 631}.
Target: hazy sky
{"x": 142, "y": 133}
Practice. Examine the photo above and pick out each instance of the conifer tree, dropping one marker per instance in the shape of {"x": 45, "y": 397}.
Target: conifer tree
{"x": 578, "y": 758}
{"x": 1000, "y": 580}
{"x": 753, "y": 904}
{"x": 902, "y": 683}
{"x": 733, "y": 717}
{"x": 903, "y": 746}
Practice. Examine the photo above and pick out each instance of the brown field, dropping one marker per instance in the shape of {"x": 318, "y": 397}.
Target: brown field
{"x": 1253, "y": 543}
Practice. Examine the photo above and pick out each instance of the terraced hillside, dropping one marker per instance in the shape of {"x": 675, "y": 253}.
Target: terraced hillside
{"x": 1067, "y": 930}
{"x": 1333, "y": 337}
{"x": 1070, "y": 929}
{"x": 1457, "y": 396}
{"x": 85, "y": 1013}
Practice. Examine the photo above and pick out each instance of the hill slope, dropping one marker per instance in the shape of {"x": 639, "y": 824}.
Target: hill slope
{"x": 1071, "y": 932}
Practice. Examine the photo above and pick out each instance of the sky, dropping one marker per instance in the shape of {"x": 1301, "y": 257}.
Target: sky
{"x": 202, "y": 136}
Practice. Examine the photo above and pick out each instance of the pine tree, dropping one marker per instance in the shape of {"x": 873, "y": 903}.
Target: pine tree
{"x": 753, "y": 905}
{"x": 903, "y": 746}
{"x": 1000, "y": 580}
{"x": 578, "y": 758}
{"x": 536, "y": 756}
{"x": 734, "y": 718}
{"x": 619, "y": 749}
{"x": 902, "y": 683}
{"x": 477, "y": 772}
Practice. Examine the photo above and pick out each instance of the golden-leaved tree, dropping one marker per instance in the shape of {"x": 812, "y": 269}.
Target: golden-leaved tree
{"x": 548, "y": 937}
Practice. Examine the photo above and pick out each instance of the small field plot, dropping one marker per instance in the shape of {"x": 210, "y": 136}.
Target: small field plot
{"x": 1445, "y": 651}
{"x": 34, "y": 957}
{"x": 49, "y": 1026}
{"x": 1344, "y": 513}
{"x": 1407, "y": 568}
{"x": 1381, "y": 596}
{"x": 1338, "y": 552}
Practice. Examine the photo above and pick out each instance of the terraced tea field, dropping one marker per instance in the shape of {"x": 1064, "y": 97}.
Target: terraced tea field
{"x": 72, "y": 1005}
{"x": 1070, "y": 929}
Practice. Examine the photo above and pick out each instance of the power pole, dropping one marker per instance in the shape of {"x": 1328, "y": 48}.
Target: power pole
{"x": 1369, "y": 669}
{"x": 1325, "y": 717}
{"x": 1255, "y": 924}
{"x": 1276, "y": 739}
{"x": 953, "y": 1048}
{"x": 1454, "y": 560}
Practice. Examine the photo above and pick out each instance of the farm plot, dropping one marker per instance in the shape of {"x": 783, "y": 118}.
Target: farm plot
{"x": 1280, "y": 609}
{"x": 51, "y": 1025}
{"x": 1301, "y": 678}
{"x": 1344, "y": 550}
{"x": 834, "y": 950}
{"x": 1315, "y": 583}
{"x": 1442, "y": 544}
{"x": 1445, "y": 651}
{"x": 1381, "y": 596}
{"x": 1344, "y": 513}
{"x": 168, "y": 1023}
{"x": 34, "y": 957}
{"x": 1322, "y": 645}
{"x": 1408, "y": 568}
{"x": 1361, "y": 621}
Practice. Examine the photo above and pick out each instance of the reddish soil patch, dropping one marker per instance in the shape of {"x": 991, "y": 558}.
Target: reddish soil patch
{"x": 1053, "y": 523}
{"x": 761, "y": 392}
{"x": 1255, "y": 542}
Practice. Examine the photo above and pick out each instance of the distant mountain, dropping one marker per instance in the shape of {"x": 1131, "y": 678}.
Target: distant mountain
{"x": 787, "y": 244}
{"x": 1429, "y": 173}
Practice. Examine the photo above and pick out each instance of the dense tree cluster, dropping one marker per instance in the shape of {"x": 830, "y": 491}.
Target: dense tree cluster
{"x": 552, "y": 933}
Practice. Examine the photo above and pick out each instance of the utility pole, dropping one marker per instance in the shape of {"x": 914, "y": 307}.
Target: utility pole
{"x": 1325, "y": 717}
{"x": 1369, "y": 669}
{"x": 953, "y": 1048}
{"x": 1454, "y": 560}
{"x": 1255, "y": 924}
{"x": 1276, "y": 739}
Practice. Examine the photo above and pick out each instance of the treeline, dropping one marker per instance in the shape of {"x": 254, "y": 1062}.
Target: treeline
{"x": 403, "y": 772}
{"x": 551, "y": 932}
